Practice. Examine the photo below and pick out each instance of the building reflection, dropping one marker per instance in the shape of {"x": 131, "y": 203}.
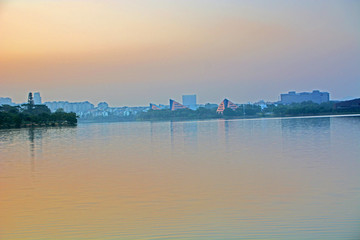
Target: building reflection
{"x": 309, "y": 135}
{"x": 315, "y": 127}
{"x": 224, "y": 127}
{"x": 32, "y": 148}
{"x": 35, "y": 136}
{"x": 184, "y": 136}
{"x": 233, "y": 132}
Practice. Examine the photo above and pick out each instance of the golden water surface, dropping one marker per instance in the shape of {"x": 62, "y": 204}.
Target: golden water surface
{"x": 242, "y": 179}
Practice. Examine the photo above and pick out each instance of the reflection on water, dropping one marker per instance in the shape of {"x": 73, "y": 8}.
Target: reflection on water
{"x": 184, "y": 135}
{"x": 306, "y": 136}
{"x": 240, "y": 179}
{"x": 35, "y": 144}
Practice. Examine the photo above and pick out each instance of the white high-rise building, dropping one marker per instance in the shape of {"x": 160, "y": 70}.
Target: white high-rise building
{"x": 37, "y": 98}
{"x": 189, "y": 101}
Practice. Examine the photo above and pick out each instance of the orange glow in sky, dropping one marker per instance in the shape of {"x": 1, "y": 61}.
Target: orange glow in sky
{"x": 133, "y": 52}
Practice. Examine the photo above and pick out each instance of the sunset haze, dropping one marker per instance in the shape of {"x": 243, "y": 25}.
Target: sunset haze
{"x": 136, "y": 52}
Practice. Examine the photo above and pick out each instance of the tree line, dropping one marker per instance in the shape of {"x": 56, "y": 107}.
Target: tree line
{"x": 40, "y": 115}
{"x": 34, "y": 115}
{"x": 247, "y": 111}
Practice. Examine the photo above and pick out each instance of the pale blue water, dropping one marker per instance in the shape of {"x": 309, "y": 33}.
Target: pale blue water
{"x": 296, "y": 178}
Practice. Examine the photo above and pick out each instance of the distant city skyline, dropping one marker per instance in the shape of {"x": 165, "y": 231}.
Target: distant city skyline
{"x": 131, "y": 53}
{"x": 187, "y": 100}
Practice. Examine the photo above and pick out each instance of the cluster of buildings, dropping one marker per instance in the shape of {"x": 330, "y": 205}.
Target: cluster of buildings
{"x": 79, "y": 108}
{"x": 6, "y": 101}
{"x": 82, "y": 109}
{"x": 189, "y": 101}
{"x": 88, "y": 110}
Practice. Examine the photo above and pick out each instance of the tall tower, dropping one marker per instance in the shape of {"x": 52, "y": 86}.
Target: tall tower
{"x": 30, "y": 101}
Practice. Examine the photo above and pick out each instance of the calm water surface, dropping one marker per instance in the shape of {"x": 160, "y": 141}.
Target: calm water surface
{"x": 242, "y": 179}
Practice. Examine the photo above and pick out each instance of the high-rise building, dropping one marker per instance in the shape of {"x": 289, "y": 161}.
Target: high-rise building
{"x": 189, "y": 101}
{"x": 37, "y": 98}
{"x": 315, "y": 96}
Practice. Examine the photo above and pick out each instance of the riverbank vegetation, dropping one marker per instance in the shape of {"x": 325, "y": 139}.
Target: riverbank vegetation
{"x": 248, "y": 111}
{"x": 34, "y": 115}
{"x": 178, "y": 115}
{"x": 40, "y": 115}
{"x": 308, "y": 109}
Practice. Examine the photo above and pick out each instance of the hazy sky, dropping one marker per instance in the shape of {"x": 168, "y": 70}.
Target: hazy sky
{"x": 132, "y": 52}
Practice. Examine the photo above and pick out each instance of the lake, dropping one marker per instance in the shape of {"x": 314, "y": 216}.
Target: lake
{"x": 289, "y": 178}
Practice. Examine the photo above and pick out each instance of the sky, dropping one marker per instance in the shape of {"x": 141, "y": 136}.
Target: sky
{"x": 132, "y": 52}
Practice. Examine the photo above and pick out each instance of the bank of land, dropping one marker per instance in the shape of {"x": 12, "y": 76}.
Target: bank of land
{"x": 249, "y": 111}
{"x": 40, "y": 115}
{"x": 36, "y": 115}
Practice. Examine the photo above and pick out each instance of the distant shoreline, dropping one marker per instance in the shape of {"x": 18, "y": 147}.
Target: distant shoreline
{"x": 227, "y": 118}
{"x": 34, "y": 125}
{"x": 27, "y": 126}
